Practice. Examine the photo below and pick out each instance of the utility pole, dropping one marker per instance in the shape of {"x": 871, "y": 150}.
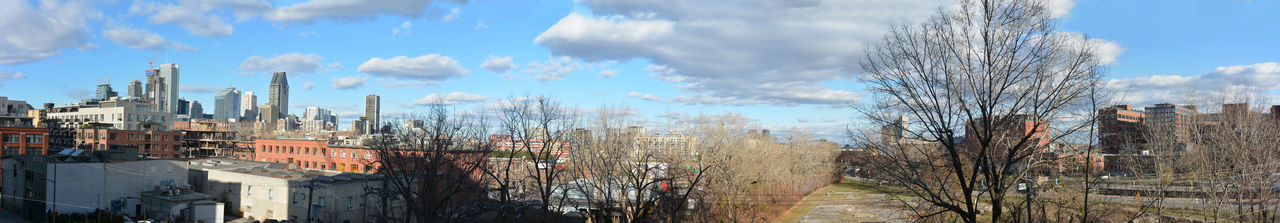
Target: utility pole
{"x": 310, "y": 189}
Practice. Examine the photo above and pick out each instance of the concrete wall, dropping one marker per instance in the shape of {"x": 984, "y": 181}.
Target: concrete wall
{"x": 127, "y": 180}
{"x": 77, "y": 187}
{"x": 256, "y": 196}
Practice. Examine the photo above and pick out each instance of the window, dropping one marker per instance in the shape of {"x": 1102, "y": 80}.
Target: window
{"x": 368, "y": 155}
{"x": 271, "y": 194}
{"x": 248, "y": 190}
{"x": 35, "y": 138}
{"x": 351, "y": 203}
{"x": 343, "y": 154}
{"x": 320, "y": 201}
{"x": 11, "y": 138}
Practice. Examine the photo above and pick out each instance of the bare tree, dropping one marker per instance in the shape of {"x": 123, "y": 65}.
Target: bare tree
{"x": 435, "y": 168}
{"x": 977, "y": 72}
{"x": 539, "y": 127}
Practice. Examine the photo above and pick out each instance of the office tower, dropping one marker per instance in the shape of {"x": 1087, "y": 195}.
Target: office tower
{"x": 268, "y": 114}
{"x": 135, "y": 89}
{"x": 162, "y": 87}
{"x": 316, "y": 113}
{"x": 104, "y": 92}
{"x": 333, "y": 118}
{"x": 358, "y": 126}
{"x": 372, "y": 108}
{"x": 226, "y": 105}
{"x": 279, "y": 95}
{"x": 248, "y": 106}
{"x": 184, "y": 107}
{"x": 196, "y": 110}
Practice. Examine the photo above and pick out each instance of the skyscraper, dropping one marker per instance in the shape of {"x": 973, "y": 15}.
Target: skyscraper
{"x": 196, "y": 110}
{"x": 135, "y": 89}
{"x": 279, "y": 95}
{"x": 372, "y": 108}
{"x": 162, "y": 88}
{"x": 248, "y": 106}
{"x": 226, "y": 105}
{"x": 184, "y": 107}
{"x": 104, "y": 92}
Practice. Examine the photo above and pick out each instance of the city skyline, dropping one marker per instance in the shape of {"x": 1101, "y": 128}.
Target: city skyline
{"x": 474, "y": 53}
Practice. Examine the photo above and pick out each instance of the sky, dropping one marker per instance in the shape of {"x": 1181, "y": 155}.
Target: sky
{"x": 789, "y": 66}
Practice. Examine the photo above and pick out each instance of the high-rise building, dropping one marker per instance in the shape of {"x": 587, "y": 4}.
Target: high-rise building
{"x": 1120, "y": 129}
{"x": 196, "y": 111}
{"x": 268, "y": 114}
{"x": 1170, "y": 123}
{"x": 226, "y": 105}
{"x": 316, "y": 113}
{"x": 372, "y": 109}
{"x": 162, "y": 87}
{"x": 104, "y": 92}
{"x": 184, "y": 107}
{"x": 248, "y": 106}
{"x": 278, "y": 98}
{"x": 135, "y": 89}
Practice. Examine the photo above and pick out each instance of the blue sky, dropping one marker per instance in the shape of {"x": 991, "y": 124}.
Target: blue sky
{"x": 788, "y": 65}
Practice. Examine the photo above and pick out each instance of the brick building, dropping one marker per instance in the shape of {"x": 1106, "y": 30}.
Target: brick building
{"x": 500, "y": 142}
{"x": 315, "y": 154}
{"x": 1120, "y": 129}
{"x": 155, "y": 144}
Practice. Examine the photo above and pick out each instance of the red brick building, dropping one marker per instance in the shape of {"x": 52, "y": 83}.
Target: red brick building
{"x": 559, "y": 149}
{"x": 315, "y": 154}
{"x": 23, "y": 140}
{"x": 155, "y": 144}
{"x": 1120, "y": 129}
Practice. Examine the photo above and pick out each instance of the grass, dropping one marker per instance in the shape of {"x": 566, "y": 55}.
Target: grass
{"x": 846, "y": 185}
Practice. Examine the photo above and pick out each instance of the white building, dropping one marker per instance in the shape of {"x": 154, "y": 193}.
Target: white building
{"x": 13, "y": 107}
{"x": 115, "y": 113}
{"x": 81, "y": 184}
{"x": 272, "y": 191}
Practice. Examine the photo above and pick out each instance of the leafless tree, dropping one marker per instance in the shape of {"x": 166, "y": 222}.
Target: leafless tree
{"x": 434, "y": 169}
{"x": 540, "y": 127}
{"x": 976, "y": 71}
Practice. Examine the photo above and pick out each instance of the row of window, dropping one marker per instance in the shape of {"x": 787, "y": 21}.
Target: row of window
{"x": 309, "y": 151}
{"x": 324, "y": 166}
{"x": 17, "y": 138}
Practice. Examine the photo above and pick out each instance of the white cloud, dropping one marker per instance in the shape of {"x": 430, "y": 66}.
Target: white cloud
{"x": 5, "y": 76}
{"x": 351, "y": 82}
{"x": 199, "y": 17}
{"x": 607, "y": 73}
{"x": 750, "y": 52}
{"x": 292, "y": 63}
{"x": 552, "y": 69}
{"x": 1176, "y": 88}
{"x": 481, "y": 25}
{"x": 426, "y": 67}
{"x": 498, "y": 65}
{"x": 647, "y": 97}
{"x": 308, "y": 85}
{"x": 403, "y": 29}
{"x": 31, "y": 33}
{"x": 141, "y": 39}
{"x": 453, "y": 15}
{"x": 419, "y": 84}
{"x": 450, "y": 98}
{"x": 347, "y": 10}
{"x": 199, "y": 89}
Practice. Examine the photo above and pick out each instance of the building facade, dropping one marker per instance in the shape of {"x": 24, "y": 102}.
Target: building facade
{"x": 226, "y": 105}
{"x": 279, "y": 95}
{"x": 1120, "y": 129}
{"x": 372, "y": 111}
{"x": 117, "y": 113}
{"x": 316, "y": 154}
{"x": 154, "y": 144}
